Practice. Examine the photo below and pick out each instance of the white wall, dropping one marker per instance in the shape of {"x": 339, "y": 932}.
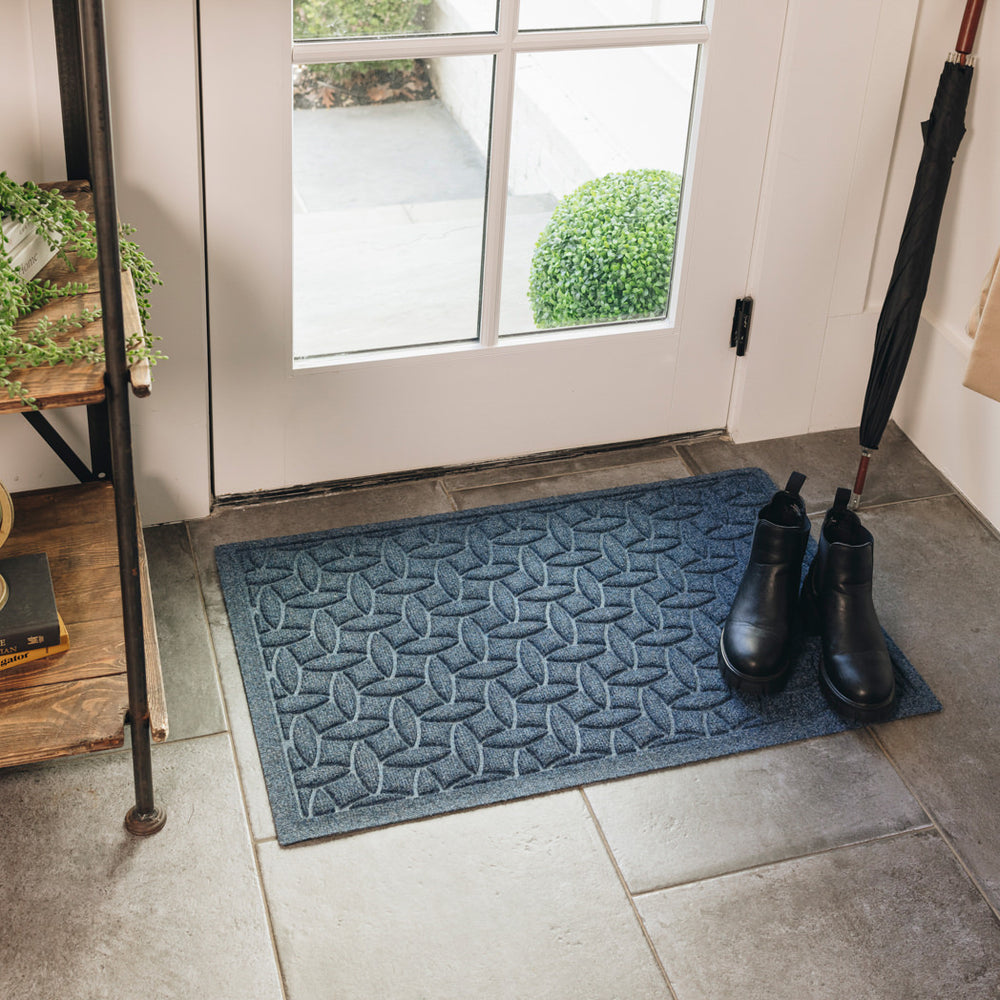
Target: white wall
{"x": 20, "y": 148}
{"x": 153, "y": 57}
{"x": 956, "y": 428}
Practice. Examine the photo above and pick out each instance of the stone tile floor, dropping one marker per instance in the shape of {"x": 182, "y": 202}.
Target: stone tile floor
{"x": 860, "y": 865}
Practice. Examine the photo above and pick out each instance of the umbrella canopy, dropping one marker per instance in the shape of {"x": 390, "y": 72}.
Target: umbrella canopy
{"x": 897, "y": 324}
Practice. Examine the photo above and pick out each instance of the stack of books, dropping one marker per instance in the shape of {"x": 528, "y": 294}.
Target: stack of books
{"x": 30, "y": 624}
{"x": 27, "y": 248}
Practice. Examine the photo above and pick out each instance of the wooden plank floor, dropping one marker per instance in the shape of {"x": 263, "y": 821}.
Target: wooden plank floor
{"x": 76, "y": 701}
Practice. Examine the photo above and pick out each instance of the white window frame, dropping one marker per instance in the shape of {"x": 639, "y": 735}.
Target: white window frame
{"x": 505, "y": 43}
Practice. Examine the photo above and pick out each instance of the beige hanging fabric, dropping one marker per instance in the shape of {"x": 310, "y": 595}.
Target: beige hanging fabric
{"x": 983, "y": 373}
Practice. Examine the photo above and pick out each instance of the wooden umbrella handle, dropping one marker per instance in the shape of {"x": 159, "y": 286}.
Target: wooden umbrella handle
{"x": 970, "y": 24}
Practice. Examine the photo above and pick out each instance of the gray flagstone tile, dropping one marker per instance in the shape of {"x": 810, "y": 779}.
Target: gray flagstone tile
{"x": 893, "y": 919}
{"x": 898, "y": 471}
{"x": 90, "y": 911}
{"x": 273, "y": 518}
{"x": 518, "y": 901}
{"x": 244, "y": 741}
{"x": 549, "y": 468}
{"x": 668, "y": 467}
{"x": 194, "y": 703}
{"x": 937, "y": 577}
{"x": 750, "y": 809}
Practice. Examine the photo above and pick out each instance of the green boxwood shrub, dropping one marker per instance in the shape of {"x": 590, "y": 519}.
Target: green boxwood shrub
{"x": 607, "y": 251}
{"x": 330, "y": 18}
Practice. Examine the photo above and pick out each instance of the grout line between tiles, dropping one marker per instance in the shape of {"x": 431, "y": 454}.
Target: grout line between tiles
{"x": 923, "y": 828}
{"x": 628, "y": 894}
{"x": 690, "y": 465}
{"x": 239, "y": 773}
{"x": 945, "y": 837}
{"x": 889, "y": 503}
{"x": 443, "y": 483}
{"x": 176, "y": 741}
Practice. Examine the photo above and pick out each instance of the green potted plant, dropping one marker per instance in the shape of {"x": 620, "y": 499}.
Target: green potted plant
{"x": 606, "y": 253}
{"x": 70, "y": 233}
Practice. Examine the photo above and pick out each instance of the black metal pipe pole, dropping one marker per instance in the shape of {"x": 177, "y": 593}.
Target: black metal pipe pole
{"x": 69, "y": 56}
{"x": 144, "y": 818}
{"x": 99, "y": 432}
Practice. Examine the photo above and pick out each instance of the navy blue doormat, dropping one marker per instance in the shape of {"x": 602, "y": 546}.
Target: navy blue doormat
{"x": 406, "y": 669}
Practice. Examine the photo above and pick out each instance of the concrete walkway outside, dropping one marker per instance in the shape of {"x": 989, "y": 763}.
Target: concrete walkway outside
{"x": 390, "y": 201}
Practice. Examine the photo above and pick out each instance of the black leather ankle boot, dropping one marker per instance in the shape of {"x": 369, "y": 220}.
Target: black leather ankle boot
{"x": 758, "y": 637}
{"x": 855, "y": 672}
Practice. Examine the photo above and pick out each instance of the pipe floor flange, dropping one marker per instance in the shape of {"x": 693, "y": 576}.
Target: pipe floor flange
{"x": 145, "y": 824}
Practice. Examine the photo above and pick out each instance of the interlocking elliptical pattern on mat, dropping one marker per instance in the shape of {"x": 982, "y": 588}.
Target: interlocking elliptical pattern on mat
{"x": 404, "y": 669}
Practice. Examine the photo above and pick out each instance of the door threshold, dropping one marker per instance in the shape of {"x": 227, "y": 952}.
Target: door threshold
{"x": 411, "y": 475}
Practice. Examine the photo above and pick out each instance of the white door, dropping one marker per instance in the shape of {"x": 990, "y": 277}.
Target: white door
{"x": 377, "y": 301}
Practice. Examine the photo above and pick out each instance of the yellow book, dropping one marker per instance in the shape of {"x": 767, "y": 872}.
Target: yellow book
{"x": 16, "y": 659}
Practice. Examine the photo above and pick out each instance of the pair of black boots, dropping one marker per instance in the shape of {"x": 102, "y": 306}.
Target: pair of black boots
{"x": 761, "y": 634}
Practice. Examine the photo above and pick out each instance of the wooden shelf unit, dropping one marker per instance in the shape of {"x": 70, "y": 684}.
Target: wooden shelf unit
{"x": 76, "y": 701}
{"x": 81, "y": 700}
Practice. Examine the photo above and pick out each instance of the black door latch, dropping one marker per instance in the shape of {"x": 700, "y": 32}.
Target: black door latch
{"x": 740, "y": 336}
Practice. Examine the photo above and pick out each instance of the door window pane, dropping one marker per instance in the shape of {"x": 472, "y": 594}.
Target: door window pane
{"x": 542, "y": 14}
{"x": 389, "y": 192}
{"x": 597, "y": 154}
{"x": 390, "y": 18}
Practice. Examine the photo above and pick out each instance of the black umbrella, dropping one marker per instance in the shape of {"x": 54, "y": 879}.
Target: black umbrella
{"x": 897, "y": 323}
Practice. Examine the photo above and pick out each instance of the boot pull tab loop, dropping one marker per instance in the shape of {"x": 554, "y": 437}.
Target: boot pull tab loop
{"x": 842, "y": 498}
{"x": 795, "y": 481}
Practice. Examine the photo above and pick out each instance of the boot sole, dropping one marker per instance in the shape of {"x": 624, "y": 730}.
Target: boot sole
{"x": 752, "y": 685}
{"x": 852, "y": 710}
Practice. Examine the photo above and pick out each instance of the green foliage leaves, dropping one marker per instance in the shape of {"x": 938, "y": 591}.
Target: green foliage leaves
{"x": 607, "y": 251}
{"x": 354, "y": 18}
{"x": 374, "y": 17}
{"x": 56, "y": 218}
{"x": 69, "y": 230}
